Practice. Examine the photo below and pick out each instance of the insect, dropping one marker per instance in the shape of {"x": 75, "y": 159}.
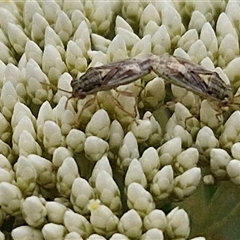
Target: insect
{"x": 109, "y": 76}
{"x": 178, "y": 71}
{"x": 193, "y": 77}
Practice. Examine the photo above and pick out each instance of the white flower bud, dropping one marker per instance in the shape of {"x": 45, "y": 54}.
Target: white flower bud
{"x": 235, "y": 150}
{"x": 96, "y": 237}
{"x": 107, "y": 191}
{"x": 29, "y": 9}
{"x": 153, "y": 233}
{"x": 27, "y": 144}
{"x": 187, "y": 183}
{"x": 10, "y": 198}
{"x": 77, "y": 223}
{"x": 63, "y": 26}
{"x": 34, "y": 211}
{"x": 103, "y": 220}
{"x": 55, "y": 212}
{"x": 128, "y": 150}
{"x": 155, "y": 219}
{"x": 17, "y": 38}
{"x": 155, "y": 138}
{"x": 233, "y": 170}
{"x": 169, "y": 150}
{"x": 26, "y": 232}
{"x": 162, "y": 183}
{"x": 197, "y": 20}
{"x": 117, "y": 49}
{"x": 209, "y": 179}
{"x": 75, "y": 58}
{"x": 208, "y": 36}
{"x": 135, "y": 174}
{"x": 45, "y": 113}
{"x": 99, "y": 125}
{"x": 154, "y": 93}
{"x": 52, "y": 38}
{"x": 66, "y": 175}
{"x": 139, "y": 199}
{"x": 101, "y": 165}
{"x": 150, "y": 162}
{"x": 82, "y": 37}
{"x": 95, "y": 148}
{"x": 52, "y": 63}
{"x": 32, "y": 50}
{"x": 209, "y": 116}
{"x": 100, "y": 44}
{"x": 161, "y": 41}
{"x": 73, "y": 236}
{"x": 171, "y": 19}
{"x": 65, "y": 118}
{"x": 149, "y": 13}
{"x": 52, "y": 136}
{"x": 197, "y": 51}
{"x": 187, "y": 39}
{"x": 52, "y": 231}
{"x": 26, "y": 175}
{"x": 116, "y": 136}
{"x": 131, "y": 40}
{"x": 8, "y": 99}
{"x": 186, "y": 160}
{"x": 7, "y": 152}
{"x": 143, "y": 46}
{"x": 39, "y": 24}
{"x": 14, "y": 75}
{"x": 6, "y": 172}
{"x": 130, "y": 224}
{"x": 205, "y": 141}
{"x": 178, "y": 224}
{"x": 75, "y": 140}
{"x": 21, "y": 110}
{"x": 123, "y": 24}
{"x": 6, "y": 54}
{"x": 231, "y": 131}
{"x": 44, "y": 168}
{"x": 141, "y": 130}
{"x": 179, "y": 131}
{"x": 100, "y": 16}
{"x": 24, "y": 124}
{"x": 224, "y": 27}
{"x": 59, "y": 155}
{"x": 219, "y": 161}
{"x": 34, "y": 76}
{"x": 81, "y": 193}
{"x": 7, "y": 17}
{"x": 118, "y": 236}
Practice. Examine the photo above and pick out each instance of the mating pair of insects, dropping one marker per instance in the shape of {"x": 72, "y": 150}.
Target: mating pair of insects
{"x": 181, "y": 72}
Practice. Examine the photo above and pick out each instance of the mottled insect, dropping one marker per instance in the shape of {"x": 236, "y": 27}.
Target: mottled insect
{"x": 193, "y": 77}
{"x": 178, "y": 71}
{"x": 109, "y": 76}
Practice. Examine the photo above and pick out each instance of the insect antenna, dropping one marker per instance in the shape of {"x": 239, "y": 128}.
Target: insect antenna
{"x": 57, "y": 88}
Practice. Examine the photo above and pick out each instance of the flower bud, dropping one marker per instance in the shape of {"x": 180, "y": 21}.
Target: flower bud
{"x": 103, "y": 220}
{"x": 187, "y": 183}
{"x": 178, "y": 224}
{"x": 162, "y": 183}
{"x": 77, "y": 223}
{"x": 130, "y": 224}
{"x": 52, "y": 231}
{"x": 95, "y": 148}
{"x": 34, "y": 211}
{"x": 139, "y": 199}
